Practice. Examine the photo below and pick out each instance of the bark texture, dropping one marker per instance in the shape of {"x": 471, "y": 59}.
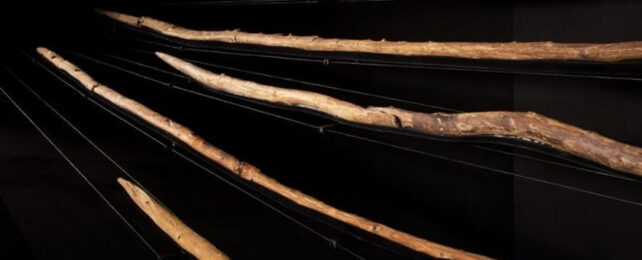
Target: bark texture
{"x": 527, "y": 126}
{"x": 183, "y": 235}
{"x": 469, "y": 50}
{"x": 251, "y": 173}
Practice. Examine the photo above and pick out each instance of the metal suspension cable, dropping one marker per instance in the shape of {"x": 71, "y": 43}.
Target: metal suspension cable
{"x": 80, "y": 173}
{"x": 86, "y": 138}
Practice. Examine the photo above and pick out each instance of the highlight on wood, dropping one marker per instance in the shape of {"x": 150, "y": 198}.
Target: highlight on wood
{"x": 183, "y": 235}
{"x": 545, "y": 50}
{"x": 525, "y": 126}
{"x": 251, "y": 173}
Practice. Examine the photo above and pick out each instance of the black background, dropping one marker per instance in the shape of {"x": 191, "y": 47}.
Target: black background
{"x": 49, "y": 212}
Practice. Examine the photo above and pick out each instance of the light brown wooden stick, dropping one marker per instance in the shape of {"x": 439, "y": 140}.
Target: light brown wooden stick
{"x": 469, "y": 50}
{"x": 526, "y": 126}
{"x": 183, "y": 235}
{"x": 251, "y": 173}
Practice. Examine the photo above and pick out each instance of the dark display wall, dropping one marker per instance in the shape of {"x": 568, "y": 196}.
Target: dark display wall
{"x": 477, "y": 195}
{"x": 551, "y": 223}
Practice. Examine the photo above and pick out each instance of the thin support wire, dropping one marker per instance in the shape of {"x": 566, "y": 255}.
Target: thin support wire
{"x": 488, "y": 168}
{"x": 332, "y": 242}
{"x": 85, "y": 137}
{"x": 80, "y": 173}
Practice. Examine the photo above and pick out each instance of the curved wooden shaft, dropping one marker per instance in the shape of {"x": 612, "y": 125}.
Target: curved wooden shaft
{"x": 183, "y": 235}
{"x": 470, "y": 50}
{"x": 527, "y": 126}
{"x": 251, "y": 173}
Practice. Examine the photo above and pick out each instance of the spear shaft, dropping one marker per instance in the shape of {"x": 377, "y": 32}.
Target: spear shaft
{"x": 526, "y": 126}
{"x": 546, "y": 50}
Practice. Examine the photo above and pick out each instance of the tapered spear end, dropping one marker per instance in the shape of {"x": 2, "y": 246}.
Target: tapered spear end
{"x": 130, "y": 188}
{"x": 46, "y": 53}
{"x": 162, "y": 55}
{"x": 122, "y": 181}
{"x": 169, "y": 59}
{"x": 183, "y": 235}
{"x": 42, "y": 50}
{"x": 124, "y": 18}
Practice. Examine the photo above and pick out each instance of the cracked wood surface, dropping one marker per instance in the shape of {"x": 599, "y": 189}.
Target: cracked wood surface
{"x": 183, "y": 235}
{"x": 251, "y": 173}
{"x": 526, "y": 126}
{"x": 470, "y": 50}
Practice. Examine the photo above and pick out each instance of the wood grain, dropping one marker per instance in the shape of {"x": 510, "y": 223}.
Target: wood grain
{"x": 525, "y": 126}
{"x": 470, "y": 50}
{"x": 251, "y": 173}
{"x": 183, "y": 235}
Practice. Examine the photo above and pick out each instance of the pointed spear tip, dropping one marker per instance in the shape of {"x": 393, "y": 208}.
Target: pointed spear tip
{"x": 42, "y": 50}
{"x": 132, "y": 190}
{"x": 164, "y": 56}
{"x": 106, "y": 12}
{"x": 172, "y": 61}
{"x": 121, "y": 17}
{"x": 128, "y": 186}
{"x": 123, "y": 182}
{"x": 109, "y": 13}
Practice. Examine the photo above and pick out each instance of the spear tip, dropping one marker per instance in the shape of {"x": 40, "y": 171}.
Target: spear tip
{"x": 166, "y": 57}
{"x": 121, "y": 17}
{"x": 41, "y": 49}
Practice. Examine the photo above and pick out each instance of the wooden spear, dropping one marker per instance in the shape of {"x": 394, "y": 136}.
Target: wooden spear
{"x": 527, "y": 126}
{"x": 251, "y": 173}
{"x": 469, "y": 50}
{"x": 183, "y": 235}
